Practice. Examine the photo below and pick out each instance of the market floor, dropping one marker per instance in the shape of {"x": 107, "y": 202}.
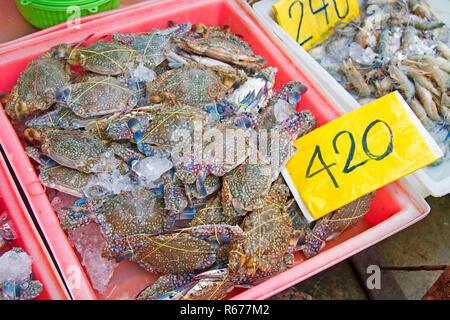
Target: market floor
{"x": 425, "y": 243}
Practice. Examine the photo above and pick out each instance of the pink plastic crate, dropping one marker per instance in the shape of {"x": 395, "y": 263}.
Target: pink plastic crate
{"x": 395, "y": 207}
{"x": 28, "y": 238}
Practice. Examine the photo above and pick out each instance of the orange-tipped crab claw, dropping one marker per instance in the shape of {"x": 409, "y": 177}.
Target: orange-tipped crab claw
{"x": 32, "y": 135}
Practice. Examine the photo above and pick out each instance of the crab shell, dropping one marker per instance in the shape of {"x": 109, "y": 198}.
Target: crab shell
{"x": 170, "y": 123}
{"x": 36, "y": 86}
{"x": 246, "y": 187}
{"x": 77, "y": 150}
{"x": 267, "y": 235}
{"x": 212, "y": 213}
{"x": 225, "y": 47}
{"x": 167, "y": 253}
{"x": 97, "y": 96}
{"x": 65, "y": 179}
{"x": 133, "y": 212}
{"x": 193, "y": 84}
{"x": 103, "y": 57}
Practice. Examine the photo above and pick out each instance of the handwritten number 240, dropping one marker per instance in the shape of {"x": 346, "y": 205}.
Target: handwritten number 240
{"x": 315, "y": 12}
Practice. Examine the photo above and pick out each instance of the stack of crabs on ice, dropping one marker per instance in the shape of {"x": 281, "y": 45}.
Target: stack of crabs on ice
{"x": 172, "y": 142}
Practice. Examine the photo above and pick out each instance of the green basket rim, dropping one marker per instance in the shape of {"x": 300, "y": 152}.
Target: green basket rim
{"x": 89, "y": 5}
{"x": 55, "y": 3}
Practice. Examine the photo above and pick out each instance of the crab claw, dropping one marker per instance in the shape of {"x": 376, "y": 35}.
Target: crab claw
{"x": 219, "y": 110}
{"x": 231, "y": 80}
{"x": 7, "y": 233}
{"x": 11, "y": 290}
{"x": 171, "y": 24}
{"x": 124, "y": 256}
{"x": 21, "y": 109}
{"x": 138, "y": 135}
{"x": 62, "y": 50}
{"x": 4, "y": 98}
{"x": 199, "y": 28}
{"x": 32, "y": 135}
{"x": 293, "y": 91}
{"x": 156, "y": 98}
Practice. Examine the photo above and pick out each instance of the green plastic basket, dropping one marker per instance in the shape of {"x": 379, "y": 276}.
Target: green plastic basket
{"x": 46, "y": 13}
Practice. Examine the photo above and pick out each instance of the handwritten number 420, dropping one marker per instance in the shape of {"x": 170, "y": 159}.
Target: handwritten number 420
{"x": 348, "y": 167}
{"x": 315, "y": 12}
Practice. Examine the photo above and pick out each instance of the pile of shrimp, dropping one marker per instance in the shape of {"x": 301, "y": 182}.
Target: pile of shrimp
{"x": 395, "y": 45}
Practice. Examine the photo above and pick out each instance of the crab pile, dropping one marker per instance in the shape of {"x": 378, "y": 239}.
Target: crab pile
{"x": 173, "y": 141}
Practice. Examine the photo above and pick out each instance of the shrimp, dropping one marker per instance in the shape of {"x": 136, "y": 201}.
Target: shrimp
{"x": 408, "y": 36}
{"x": 440, "y": 62}
{"x": 443, "y": 49}
{"x": 356, "y": 79}
{"x": 419, "y": 8}
{"x": 439, "y": 76}
{"x": 419, "y": 111}
{"x": 419, "y": 23}
{"x": 422, "y": 80}
{"x": 426, "y": 99}
{"x": 404, "y": 84}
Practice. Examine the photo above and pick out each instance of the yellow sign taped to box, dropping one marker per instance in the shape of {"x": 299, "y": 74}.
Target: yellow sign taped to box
{"x": 311, "y": 21}
{"x": 357, "y": 153}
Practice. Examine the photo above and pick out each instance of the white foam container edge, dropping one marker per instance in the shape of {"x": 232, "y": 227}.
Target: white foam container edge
{"x": 420, "y": 180}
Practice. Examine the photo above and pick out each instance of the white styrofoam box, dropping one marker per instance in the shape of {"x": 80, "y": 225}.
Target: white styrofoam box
{"x": 430, "y": 180}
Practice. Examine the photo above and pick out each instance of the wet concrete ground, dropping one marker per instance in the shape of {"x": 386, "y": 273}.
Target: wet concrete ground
{"x": 424, "y": 243}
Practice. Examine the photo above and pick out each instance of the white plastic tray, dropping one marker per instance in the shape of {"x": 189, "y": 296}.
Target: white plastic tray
{"x": 427, "y": 181}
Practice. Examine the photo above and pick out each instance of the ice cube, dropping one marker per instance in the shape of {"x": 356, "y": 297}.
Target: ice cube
{"x": 89, "y": 242}
{"x": 282, "y": 110}
{"x": 151, "y": 168}
{"x": 362, "y": 56}
{"x": 15, "y": 266}
{"x": 142, "y": 73}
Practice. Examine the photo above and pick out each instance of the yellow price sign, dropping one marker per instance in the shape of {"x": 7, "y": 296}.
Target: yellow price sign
{"x": 356, "y": 154}
{"x": 311, "y": 21}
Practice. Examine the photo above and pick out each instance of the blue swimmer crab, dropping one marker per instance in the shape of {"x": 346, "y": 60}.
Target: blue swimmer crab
{"x": 177, "y": 251}
{"x": 62, "y": 118}
{"x": 73, "y": 148}
{"x": 194, "y": 85}
{"x": 36, "y": 85}
{"x": 120, "y": 216}
{"x": 281, "y": 125}
{"x": 336, "y": 223}
{"x": 267, "y": 235}
{"x": 102, "y": 57}
{"x": 246, "y": 187}
{"x": 167, "y": 124}
{"x": 97, "y": 96}
{"x": 213, "y": 284}
{"x": 212, "y": 213}
{"x": 154, "y": 44}
{"x": 221, "y": 44}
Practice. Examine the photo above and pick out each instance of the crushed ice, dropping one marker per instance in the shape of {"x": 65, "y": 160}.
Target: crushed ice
{"x": 89, "y": 242}
{"x": 15, "y": 266}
